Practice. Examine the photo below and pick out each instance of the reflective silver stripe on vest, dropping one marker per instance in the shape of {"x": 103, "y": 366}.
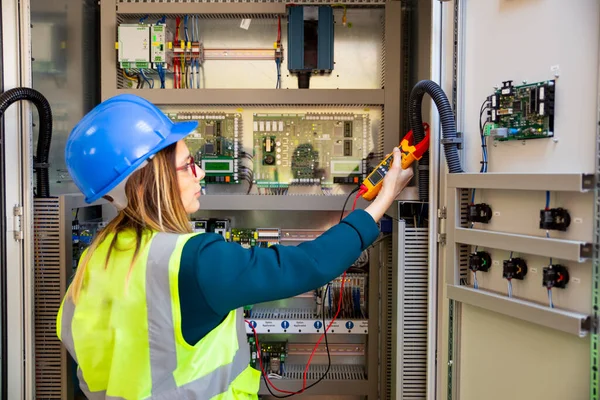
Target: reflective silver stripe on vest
{"x": 163, "y": 356}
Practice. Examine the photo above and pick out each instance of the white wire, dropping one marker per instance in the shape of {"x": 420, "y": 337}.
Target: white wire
{"x": 509, "y": 288}
{"x": 550, "y": 298}
{"x": 475, "y": 283}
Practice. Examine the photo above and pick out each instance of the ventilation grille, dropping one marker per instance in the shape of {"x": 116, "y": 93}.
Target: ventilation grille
{"x": 336, "y": 372}
{"x": 407, "y": 53}
{"x": 413, "y": 280}
{"x": 463, "y": 249}
{"x": 383, "y": 52}
{"x": 388, "y": 300}
{"x": 49, "y": 287}
{"x": 381, "y": 139}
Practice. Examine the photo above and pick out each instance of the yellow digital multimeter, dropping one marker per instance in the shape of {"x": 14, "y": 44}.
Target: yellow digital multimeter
{"x": 410, "y": 153}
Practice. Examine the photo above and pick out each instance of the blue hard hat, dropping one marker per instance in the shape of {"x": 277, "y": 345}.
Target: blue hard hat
{"x": 114, "y": 139}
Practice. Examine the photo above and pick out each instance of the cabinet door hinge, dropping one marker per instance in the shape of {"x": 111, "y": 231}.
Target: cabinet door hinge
{"x": 17, "y": 215}
{"x": 442, "y": 213}
{"x": 441, "y": 238}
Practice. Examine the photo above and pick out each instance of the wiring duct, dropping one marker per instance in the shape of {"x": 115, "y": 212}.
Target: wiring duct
{"x": 448, "y": 131}
{"x": 45, "y": 135}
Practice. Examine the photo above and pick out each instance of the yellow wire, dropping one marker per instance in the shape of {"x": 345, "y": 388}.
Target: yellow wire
{"x": 344, "y": 20}
{"x": 182, "y": 80}
{"x": 128, "y": 77}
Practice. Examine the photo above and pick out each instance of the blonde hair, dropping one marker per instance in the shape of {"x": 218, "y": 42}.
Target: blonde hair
{"x": 154, "y": 204}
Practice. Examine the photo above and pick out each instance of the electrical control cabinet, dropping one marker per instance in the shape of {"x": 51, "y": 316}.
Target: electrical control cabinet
{"x": 518, "y": 271}
{"x": 505, "y": 250}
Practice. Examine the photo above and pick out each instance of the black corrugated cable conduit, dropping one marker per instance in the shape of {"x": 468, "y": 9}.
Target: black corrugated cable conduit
{"x": 449, "y": 135}
{"x": 45, "y": 120}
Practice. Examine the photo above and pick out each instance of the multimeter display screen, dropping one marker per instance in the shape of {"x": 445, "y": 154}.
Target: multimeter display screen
{"x": 375, "y": 177}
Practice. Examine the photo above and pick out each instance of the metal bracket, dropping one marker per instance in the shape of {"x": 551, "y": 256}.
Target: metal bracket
{"x": 588, "y": 182}
{"x": 458, "y": 140}
{"x": 586, "y": 250}
{"x": 590, "y": 325}
{"x": 17, "y": 214}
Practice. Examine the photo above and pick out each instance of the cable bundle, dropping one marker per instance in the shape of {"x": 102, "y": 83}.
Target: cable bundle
{"x": 354, "y": 297}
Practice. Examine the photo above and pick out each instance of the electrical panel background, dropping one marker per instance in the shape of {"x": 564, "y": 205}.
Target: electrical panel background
{"x": 358, "y": 52}
{"x": 360, "y": 59}
{"x": 500, "y": 357}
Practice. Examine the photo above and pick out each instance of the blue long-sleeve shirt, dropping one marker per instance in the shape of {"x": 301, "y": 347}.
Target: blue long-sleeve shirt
{"x": 216, "y": 276}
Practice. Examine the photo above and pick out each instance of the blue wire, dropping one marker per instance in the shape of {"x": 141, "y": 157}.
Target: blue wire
{"x": 278, "y": 69}
{"x": 146, "y": 79}
{"x": 197, "y": 73}
{"x": 161, "y": 76}
{"x": 143, "y": 19}
{"x": 185, "y": 19}
{"x": 547, "y": 199}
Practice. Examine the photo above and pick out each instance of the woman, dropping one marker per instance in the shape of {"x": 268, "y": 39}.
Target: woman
{"x": 155, "y": 311}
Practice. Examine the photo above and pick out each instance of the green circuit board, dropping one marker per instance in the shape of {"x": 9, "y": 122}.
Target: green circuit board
{"x": 522, "y": 112}
{"x": 309, "y": 149}
{"x": 214, "y": 144}
{"x": 245, "y": 237}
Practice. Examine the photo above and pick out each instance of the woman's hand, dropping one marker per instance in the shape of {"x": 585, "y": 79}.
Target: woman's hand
{"x": 394, "y": 183}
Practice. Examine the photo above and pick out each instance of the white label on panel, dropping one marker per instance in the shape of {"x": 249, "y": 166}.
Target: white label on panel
{"x": 534, "y": 270}
{"x": 578, "y": 220}
{"x": 575, "y": 280}
{"x": 496, "y": 213}
{"x": 245, "y": 24}
{"x": 495, "y": 262}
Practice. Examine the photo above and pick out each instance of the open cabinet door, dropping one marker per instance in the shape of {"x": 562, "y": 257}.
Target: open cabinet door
{"x": 16, "y": 278}
{"x": 518, "y": 271}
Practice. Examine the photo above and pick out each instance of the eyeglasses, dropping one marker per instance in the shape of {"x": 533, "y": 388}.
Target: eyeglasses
{"x": 191, "y": 164}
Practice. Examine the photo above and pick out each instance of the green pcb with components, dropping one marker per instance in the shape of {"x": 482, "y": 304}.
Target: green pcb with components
{"x": 214, "y": 144}
{"x": 522, "y": 112}
{"x": 309, "y": 149}
{"x": 245, "y": 237}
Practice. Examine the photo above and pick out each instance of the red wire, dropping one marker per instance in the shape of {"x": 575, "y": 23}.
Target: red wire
{"x": 362, "y": 191}
{"x": 279, "y": 30}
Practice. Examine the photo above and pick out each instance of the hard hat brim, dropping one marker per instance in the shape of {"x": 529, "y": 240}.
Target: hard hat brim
{"x": 179, "y": 131}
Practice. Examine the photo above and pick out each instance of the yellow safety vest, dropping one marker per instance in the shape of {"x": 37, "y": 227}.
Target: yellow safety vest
{"x": 126, "y": 337}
